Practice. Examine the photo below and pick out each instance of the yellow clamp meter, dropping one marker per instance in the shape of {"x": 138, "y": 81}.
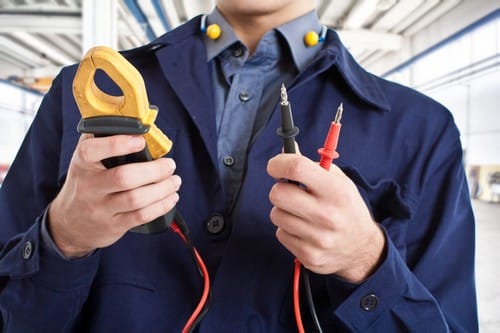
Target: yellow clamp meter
{"x": 130, "y": 113}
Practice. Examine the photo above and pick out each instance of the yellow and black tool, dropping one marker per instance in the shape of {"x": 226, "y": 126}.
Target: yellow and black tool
{"x": 130, "y": 113}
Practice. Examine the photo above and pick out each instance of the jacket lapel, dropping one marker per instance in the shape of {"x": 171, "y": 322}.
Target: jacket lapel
{"x": 185, "y": 67}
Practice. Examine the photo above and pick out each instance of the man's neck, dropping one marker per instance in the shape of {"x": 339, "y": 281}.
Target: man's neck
{"x": 250, "y": 28}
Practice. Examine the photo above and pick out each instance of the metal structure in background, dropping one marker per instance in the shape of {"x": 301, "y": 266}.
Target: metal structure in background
{"x": 37, "y": 37}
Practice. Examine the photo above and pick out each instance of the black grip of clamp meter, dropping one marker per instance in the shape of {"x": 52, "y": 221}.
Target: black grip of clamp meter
{"x": 113, "y": 125}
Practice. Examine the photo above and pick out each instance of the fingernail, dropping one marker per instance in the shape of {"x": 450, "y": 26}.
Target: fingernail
{"x": 171, "y": 163}
{"x": 177, "y": 182}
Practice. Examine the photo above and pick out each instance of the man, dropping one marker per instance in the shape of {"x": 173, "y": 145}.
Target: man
{"x": 387, "y": 233}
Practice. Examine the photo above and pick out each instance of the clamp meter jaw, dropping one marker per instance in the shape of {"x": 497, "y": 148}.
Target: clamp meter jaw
{"x": 130, "y": 113}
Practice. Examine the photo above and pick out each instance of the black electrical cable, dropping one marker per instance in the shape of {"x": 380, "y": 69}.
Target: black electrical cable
{"x": 310, "y": 300}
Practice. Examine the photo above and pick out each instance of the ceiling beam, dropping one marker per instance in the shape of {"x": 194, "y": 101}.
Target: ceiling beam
{"x": 152, "y": 16}
{"x": 26, "y": 55}
{"x": 39, "y": 8}
{"x": 417, "y": 14}
{"x": 43, "y": 47}
{"x": 359, "y": 14}
{"x": 193, "y": 8}
{"x": 128, "y": 25}
{"x": 444, "y": 7}
{"x": 40, "y": 23}
{"x": 371, "y": 40}
{"x": 396, "y": 14}
{"x": 12, "y": 62}
{"x": 171, "y": 13}
{"x": 65, "y": 44}
{"x": 334, "y": 12}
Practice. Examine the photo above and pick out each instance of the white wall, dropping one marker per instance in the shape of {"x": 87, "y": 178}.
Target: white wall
{"x": 17, "y": 108}
{"x": 476, "y": 107}
{"x": 463, "y": 74}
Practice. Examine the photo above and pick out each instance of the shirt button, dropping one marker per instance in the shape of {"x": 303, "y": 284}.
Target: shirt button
{"x": 244, "y": 96}
{"x": 369, "y": 302}
{"x": 238, "y": 52}
{"x": 215, "y": 224}
{"x": 27, "y": 250}
{"x": 228, "y": 161}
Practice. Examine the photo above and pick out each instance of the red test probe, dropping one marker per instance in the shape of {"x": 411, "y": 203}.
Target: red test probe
{"x": 328, "y": 153}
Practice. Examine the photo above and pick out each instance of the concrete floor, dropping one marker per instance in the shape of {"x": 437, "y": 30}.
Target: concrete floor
{"x": 488, "y": 265}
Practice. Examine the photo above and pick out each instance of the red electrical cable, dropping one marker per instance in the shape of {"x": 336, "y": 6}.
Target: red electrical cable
{"x": 206, "y": 287}
{"x": 296, "y": 298}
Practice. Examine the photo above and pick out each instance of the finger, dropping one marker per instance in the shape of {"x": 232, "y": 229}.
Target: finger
{"x": 311, "y": 256}
{"x": 293, "y": 224}
{"x": 144, "y": 196}
{"x": 149, "y": 213}
{"x": 296, "y": 201}
{"x": 307, "y": 172}
{"x": 93, "y": 150}
{"x": 130, "y": 176}
{"x": 290, "y": 166}
{"x": 297, "y": 246}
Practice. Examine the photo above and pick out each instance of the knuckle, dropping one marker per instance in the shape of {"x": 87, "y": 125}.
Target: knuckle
{"x": 324, "y": 216}
{"x": 308, "y": 258}
{"x": 133, "y": 199}
{"x": 120, "y": 176}
{"x": 314, "y": 259}
{"x": 115, "y": 142}
{"x": 84, "y": 150}
{"x": 142, "y": 216}
{"x": 325, "y": 241}
{"x": 296, "y": 169}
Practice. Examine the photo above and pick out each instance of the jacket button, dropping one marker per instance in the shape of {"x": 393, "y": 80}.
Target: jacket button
{"x": 244, "y": 96}
{"x": 369, "y": 302}
{"x": 27, "y": 250}
{"x": 215, "y": 224}
{"x": 228, "y": 160}
{"x": 238, "y": 52}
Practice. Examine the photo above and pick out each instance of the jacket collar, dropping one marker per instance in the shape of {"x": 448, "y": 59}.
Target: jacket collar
{"x": 364, "y": 84}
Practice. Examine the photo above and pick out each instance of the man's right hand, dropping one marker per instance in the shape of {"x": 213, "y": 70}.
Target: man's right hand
{"x": 97, "y": 206}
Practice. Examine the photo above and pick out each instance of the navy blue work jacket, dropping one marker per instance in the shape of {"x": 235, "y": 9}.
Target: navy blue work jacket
{"x": 401, "y": 149}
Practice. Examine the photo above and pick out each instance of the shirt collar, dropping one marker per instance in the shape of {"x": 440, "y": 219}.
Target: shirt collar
{"x": 226, "y": 39}
{"x": 293, "y": 32}
{"x": 364, "y": 84}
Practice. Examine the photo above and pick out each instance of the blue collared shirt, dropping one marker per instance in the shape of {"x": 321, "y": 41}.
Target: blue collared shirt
{"x": 247, "y": 86}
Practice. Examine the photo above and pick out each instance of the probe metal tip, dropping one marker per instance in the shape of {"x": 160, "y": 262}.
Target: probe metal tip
{"x": 284, "y": 95}
{"x": 338, "y": 115}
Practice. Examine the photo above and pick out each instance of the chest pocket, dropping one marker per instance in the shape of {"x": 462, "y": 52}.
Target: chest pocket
{"x": 388, "y": 204}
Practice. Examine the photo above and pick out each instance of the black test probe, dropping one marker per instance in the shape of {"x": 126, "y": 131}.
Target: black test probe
{"x": 287, "y": 131}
